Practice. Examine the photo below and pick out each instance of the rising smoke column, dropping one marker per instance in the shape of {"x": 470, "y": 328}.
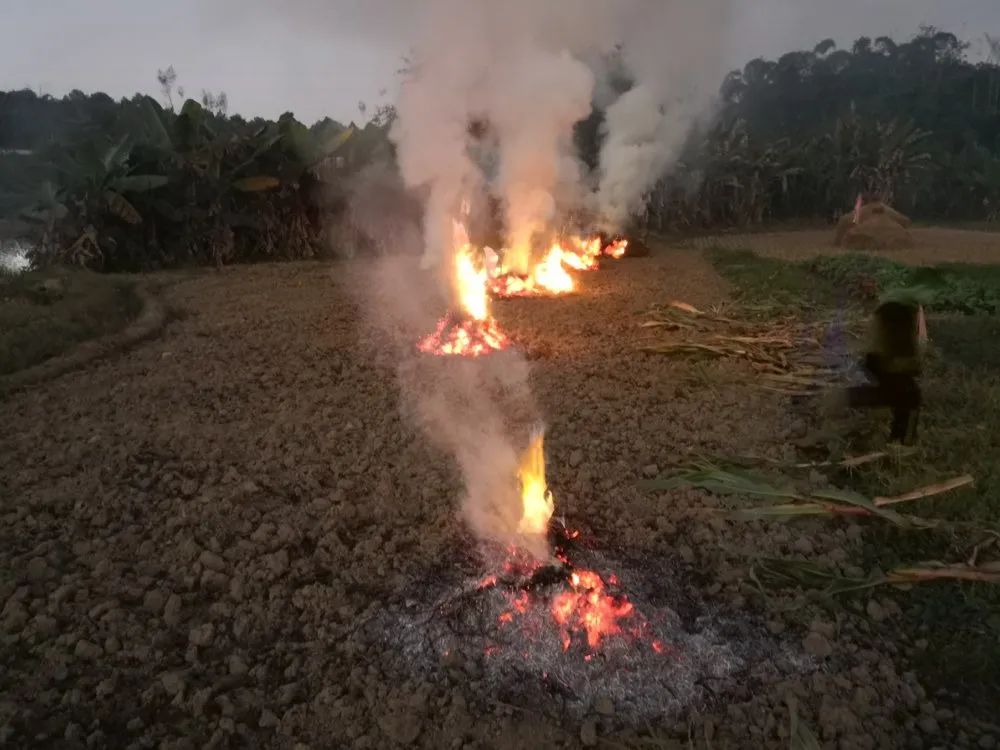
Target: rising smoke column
{"x": 516, "y": 65}
{"x": 673, "y": 51}
{"x": 533, "y": 101}
{"x": 527, "y": 68}
{"x": 519, "y": 66}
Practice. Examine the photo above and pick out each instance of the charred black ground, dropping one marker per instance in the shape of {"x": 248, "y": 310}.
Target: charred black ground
{"x": 675, "y": 654}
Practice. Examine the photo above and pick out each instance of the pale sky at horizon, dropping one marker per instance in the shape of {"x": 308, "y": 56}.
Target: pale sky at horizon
{"x": 267, "y": 65}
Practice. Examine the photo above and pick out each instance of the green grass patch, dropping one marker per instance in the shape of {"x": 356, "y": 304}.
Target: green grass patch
{"x": 45, "y": 313}
{"x": 959, "y": 434}
{"x": 963, "y": 288}
{"x": 771, "y": 284}
{"x": 832, "y": 280}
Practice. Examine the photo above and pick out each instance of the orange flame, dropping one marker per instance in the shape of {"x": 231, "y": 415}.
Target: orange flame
{"x": 617, "y": 249}
{"x": 549, "y": 276}
{"x": 470, "y": 284}
{"x": 586, "y": 255}
{"x": 536, "y": 500}
{"x": 474, "y": 333}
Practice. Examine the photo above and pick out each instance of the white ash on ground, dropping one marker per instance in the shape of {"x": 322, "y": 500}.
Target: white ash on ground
{"x": 669, "y": 655}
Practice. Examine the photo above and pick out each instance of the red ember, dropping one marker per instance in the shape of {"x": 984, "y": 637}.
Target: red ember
{"x": 585, "y": 612}
{"x": 588, "y": 608}
{"x": 464, "y": 338}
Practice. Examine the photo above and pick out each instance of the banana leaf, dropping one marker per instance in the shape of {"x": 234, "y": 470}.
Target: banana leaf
{"x": 119, "y": 206}
{"x": 856, "y": 500}
{"x": 153, "y": 126}
{"x": 116, "y": 155}
{"x": 724, "y": 482}
{"x": 256, "y": 184}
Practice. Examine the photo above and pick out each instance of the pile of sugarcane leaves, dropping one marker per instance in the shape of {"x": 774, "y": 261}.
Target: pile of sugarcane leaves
{"x": 789, "y": 501}
{"x": 786, "y": 353}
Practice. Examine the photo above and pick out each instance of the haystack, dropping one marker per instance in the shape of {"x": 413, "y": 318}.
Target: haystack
{"x": 881, "y": 227}
{"x": 878, "y": 233}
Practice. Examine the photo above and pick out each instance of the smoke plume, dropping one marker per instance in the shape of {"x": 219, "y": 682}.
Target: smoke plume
{"x": 487, "y": 109}
{"x": 675, "y": 80}
{"x": 527, "y": 68}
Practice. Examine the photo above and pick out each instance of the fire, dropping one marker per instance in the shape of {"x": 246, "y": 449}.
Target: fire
{"x": 537, "y": 504}
{"x": 547, "y": 277}
{"x": 471, "y": 285}
{"x": 585, "y": 611}
{"x": 464, "y": 338}
{"x": 550, "y": 275}
{"x": 474, "y": 332}
{"x": 617, "y": 249}
{"x": 586, "y": 256}
{"x": 588, "y": 608}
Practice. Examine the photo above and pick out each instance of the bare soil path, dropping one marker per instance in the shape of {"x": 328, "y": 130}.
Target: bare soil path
{"x": 192, "y": 531}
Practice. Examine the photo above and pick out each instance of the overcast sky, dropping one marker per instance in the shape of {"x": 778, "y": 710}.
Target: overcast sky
{"x": 270, "y": 59}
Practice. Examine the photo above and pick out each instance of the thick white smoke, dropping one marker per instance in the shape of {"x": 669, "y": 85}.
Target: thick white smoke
{"x": 675, "y": 59}
{"x": 512, "y": 65}
{"x": 534, "y": 127}
{"x": 529, "y": 70}
{"x": 519, "y": 65}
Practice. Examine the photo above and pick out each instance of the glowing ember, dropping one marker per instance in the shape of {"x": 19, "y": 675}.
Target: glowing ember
{"x": 589, "y": 608}
{"x": 536, "y": 500}
{"x": 582, "y": 607}
{"x": 464, "y": 338}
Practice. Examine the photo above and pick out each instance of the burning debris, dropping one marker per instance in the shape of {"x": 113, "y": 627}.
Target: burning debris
{"x": 579, "y": 601}
{"x": 559, "y": 637}
{"x": 464, "y": 337}
{"x": 473, "y": 332}
{"x": 549, "y": 626}
{"x": 550, "y": 276}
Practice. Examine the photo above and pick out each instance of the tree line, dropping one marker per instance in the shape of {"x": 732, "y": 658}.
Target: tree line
{"x": 915, "y": 124}
{"x": 133, "y": 184}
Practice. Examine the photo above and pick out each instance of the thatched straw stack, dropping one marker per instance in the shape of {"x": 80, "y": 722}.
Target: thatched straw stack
{"x": 881, "y": 228}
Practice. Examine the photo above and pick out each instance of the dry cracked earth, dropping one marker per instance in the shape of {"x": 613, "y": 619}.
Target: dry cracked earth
{"x": 198, "y": 534}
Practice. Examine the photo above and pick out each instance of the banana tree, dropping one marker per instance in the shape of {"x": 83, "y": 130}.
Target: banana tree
{"x": 91, "y": 199}
{"x": 224, "y": 178}
{"x": 898, "y": 155}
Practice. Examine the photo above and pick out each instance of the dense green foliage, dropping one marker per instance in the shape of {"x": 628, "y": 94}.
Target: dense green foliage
{"x": 916, "y": 124}
{"x": 134, "y": 185}
{"x": 955, "y": 287}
